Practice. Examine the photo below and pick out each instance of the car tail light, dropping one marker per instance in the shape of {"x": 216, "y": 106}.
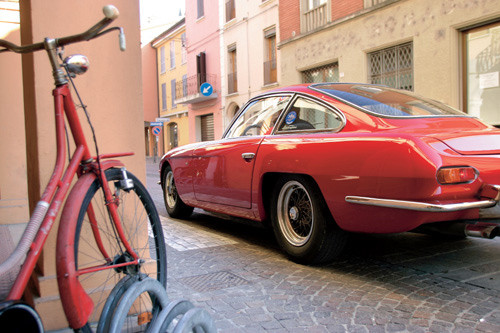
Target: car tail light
{"x": 456, "y": 175}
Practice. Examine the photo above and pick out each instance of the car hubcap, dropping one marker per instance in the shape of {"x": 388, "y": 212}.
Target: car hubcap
{"x": 295, "y": 213}
{"x": 171, "y": 192}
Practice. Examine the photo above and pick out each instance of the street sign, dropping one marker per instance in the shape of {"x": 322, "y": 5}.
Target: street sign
{"x": 157, "y": 123}
{"x": 163, "y": 120}
{"x": 206, "y": 89}
{"x": 156, "y": 130}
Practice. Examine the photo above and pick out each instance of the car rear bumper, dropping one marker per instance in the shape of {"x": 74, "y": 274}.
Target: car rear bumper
{"x": 421, "y": 206}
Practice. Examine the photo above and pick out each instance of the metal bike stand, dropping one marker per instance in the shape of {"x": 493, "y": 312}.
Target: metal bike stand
{"x": 156, "y": 291}
{"x": 193, "y": 319}
{"x": 168, "y": 314}
{"x": 112, "y": 302}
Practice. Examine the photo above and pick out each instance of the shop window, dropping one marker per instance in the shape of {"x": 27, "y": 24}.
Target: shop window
{"x": 482, "y": 68}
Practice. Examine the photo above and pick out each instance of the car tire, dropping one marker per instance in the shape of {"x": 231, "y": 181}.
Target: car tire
{"x": 176, "y": 208}
{"x": 302, "y": 223}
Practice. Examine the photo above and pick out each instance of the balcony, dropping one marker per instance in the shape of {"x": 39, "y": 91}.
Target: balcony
{"x": 188, "y": 91}
{"x": 372, "y": 3}
{"x": 315, "y": 18}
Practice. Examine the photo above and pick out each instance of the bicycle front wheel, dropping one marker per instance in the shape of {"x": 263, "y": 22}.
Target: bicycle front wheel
{"x": 97, "y": 244}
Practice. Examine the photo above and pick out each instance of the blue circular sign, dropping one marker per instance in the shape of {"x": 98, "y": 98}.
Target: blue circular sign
{"x": 156, "y": 130}
{"x": 290, "y": 118}
{"x": 206, "y": 89}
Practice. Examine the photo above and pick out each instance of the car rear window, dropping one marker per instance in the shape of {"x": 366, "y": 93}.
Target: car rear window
{"x": 384, "y": 101}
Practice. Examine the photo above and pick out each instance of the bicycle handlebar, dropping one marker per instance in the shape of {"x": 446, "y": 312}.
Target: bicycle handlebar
{"x": 110, "y": 13}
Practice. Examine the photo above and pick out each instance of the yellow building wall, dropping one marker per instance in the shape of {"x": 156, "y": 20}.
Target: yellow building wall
{"x": 179, "y": 113}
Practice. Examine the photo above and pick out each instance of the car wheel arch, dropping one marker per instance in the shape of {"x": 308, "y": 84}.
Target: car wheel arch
{"x": 269, "y": 181}
{"x": 164, "y": 167}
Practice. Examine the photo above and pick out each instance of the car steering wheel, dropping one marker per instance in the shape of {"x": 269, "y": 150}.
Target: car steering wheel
{"x": 249, "y": 127}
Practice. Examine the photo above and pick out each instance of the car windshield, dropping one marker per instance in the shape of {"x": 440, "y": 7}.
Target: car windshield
{"x": 384, "y": 101}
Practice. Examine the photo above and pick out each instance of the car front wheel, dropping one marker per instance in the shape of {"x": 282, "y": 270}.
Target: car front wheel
{"x": 302, "y": 223}
{"x": 176, "y": 208}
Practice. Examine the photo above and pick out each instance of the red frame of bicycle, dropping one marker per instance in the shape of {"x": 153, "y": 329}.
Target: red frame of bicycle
{"x": 81, "y": 163}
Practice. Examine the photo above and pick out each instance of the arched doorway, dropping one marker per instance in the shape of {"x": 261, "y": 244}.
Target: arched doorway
{"x": 231, "y": 111}
{"x": 173, "y": 136}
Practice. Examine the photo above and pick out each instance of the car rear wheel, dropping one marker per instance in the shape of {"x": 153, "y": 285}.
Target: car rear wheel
{"x": 302, "y": 224}
{"x": 176, "y": 208}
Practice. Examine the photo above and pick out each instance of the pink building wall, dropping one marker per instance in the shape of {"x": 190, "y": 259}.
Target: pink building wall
{"x": 202, "y": 35}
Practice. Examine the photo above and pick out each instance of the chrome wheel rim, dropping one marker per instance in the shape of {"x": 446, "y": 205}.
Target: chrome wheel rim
{"x": 295, "y": 213}
{"x": 170, "y": 190}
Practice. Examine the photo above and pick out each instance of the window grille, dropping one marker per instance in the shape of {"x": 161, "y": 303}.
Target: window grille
{"x": 327, "y": 73}
{"x": 392, "y": 66}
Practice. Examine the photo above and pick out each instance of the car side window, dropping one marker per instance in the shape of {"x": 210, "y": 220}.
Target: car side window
{"x": 259, "y": 117}
{"x": 309, "y": 115}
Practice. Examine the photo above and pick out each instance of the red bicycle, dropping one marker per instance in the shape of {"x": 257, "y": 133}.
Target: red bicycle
{"x": 110, "y": 253}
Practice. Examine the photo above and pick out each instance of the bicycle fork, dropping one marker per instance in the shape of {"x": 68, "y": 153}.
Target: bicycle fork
{"x": 112, "y": 202}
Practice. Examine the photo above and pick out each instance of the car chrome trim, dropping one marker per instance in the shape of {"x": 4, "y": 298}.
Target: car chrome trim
{"x": 420, "y": 206}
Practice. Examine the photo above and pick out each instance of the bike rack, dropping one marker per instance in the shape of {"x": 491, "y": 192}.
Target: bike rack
{"x": 182, "y": 315}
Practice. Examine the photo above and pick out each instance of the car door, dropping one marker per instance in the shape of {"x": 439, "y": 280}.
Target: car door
{"x": 224, "y": 169}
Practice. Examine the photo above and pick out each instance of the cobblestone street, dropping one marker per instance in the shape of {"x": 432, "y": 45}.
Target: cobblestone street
{"x": 384, "y": 283}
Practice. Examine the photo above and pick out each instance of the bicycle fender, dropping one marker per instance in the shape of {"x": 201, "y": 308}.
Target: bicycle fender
{"x": 77, "y": 304}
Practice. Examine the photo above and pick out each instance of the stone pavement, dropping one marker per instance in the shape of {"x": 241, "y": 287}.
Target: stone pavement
{"x": 384, "y": 283}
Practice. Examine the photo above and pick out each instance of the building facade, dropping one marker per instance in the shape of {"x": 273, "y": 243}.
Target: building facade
{"x": 249, "y": 56}
{"x": 202, "y": 87}
{"x": 171, "y": 55}
{"x": 150, "y": 99}
{"x": 445, "y": 50}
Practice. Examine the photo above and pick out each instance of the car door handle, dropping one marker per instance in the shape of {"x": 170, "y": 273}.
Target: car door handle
{"x": 248, "y": 156}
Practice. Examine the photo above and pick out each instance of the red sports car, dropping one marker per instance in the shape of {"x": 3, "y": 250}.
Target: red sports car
{"x": 321, "y": 161}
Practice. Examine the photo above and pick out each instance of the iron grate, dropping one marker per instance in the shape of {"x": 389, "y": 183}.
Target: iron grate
{"x": 213, "y": 281}
{"x": 392, "y": 66}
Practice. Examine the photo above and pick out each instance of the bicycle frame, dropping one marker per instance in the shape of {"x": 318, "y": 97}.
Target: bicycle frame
{"x": 86, "y": 168}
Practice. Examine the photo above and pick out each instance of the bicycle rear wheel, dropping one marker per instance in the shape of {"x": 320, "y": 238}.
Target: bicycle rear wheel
{"x": 144, "y": 232}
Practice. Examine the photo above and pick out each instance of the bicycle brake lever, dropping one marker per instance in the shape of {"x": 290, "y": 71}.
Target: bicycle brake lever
{"x": 122, "y": 41}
